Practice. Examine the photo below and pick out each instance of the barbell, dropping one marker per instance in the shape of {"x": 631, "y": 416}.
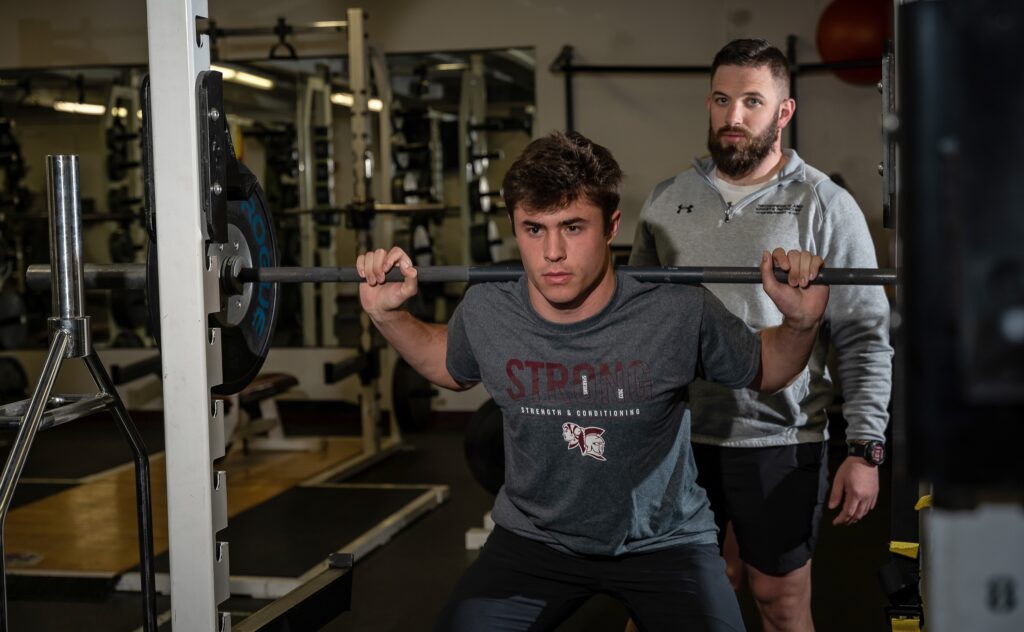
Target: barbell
{"x": 249, "y": 279}
{"x": 132, "y": 276}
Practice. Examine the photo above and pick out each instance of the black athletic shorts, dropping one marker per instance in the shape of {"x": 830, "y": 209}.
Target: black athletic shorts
{"x": 773, "y": 496}
{"x": 520, "y": 584}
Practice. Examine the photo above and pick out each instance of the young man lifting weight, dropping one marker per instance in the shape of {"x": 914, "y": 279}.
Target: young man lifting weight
{"x": 590, "y": 369}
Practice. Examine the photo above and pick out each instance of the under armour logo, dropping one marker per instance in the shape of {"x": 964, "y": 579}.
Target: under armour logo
{"x": 679, "y": 209}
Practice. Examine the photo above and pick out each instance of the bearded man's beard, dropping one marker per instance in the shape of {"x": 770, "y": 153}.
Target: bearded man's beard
{"x": 737, "y": 160}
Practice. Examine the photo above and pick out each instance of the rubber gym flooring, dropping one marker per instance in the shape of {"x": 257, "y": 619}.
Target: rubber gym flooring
{"x": 400, "y": 586}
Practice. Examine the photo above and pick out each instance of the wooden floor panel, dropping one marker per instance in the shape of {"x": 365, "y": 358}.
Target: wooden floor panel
{"x": 92, "y": 527}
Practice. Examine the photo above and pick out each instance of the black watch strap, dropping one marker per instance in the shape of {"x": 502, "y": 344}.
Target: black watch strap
{"x": 871, "y": 451}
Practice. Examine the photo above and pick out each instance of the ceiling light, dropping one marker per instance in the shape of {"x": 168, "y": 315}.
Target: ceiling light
{"x": 450, "y": 67}
{"x": 227, "y": 73}
{"x": 255, "y": 81}
{"x": 345, "y": 99}
{"x": 245, "y": 78}
{"x": 79, "y": 108}
{"x": 330, "y": 24}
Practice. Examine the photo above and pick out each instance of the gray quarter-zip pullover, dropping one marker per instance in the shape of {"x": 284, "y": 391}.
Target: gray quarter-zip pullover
{"x": 685, "y": 222}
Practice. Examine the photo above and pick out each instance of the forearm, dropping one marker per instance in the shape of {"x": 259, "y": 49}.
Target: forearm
{"x": 423, "y": 345}
{"x": 785, "y": 350}
{"x": 864, "y": 369}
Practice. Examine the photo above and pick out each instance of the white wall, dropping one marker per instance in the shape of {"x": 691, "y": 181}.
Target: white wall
{"x": 654, "y": 124}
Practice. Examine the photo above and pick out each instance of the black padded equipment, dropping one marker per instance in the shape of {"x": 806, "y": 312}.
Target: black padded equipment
{"x": 485, "y": 446}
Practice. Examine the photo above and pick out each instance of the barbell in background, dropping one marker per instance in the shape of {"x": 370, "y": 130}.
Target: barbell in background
{"x": 132, "y": 276}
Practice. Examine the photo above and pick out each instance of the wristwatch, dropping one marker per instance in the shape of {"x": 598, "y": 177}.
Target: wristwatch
{"x": 871, "y": 451}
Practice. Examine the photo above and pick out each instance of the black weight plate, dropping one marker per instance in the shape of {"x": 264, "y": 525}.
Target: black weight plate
{"x": 13, "y": 380}
{"x": 13, "y": 319}
{"x": 410, "y": 397}
{"x": 485, "y": 446}
{"x": 128, "y": 308}
{"x": 244, "y": 348}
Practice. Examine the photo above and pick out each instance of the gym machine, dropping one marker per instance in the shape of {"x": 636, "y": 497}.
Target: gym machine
{"x": 960, "y": 331}
{"x": 70, "y": 338}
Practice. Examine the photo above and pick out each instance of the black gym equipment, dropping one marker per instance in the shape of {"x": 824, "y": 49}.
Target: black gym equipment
{"x": 13, "y": 320}
{"x": 410, "y": 397}
{"x": 128, "y": 309}
{"x": 960, "y": 334}
{"x": 485, "y": 446}
{"x": 481, "y": 196}
{"x": 13, "y": 380}
{"x": 485, "y": 242}
{"x": 122, "y": 374}
{"x": 13, "y": 195}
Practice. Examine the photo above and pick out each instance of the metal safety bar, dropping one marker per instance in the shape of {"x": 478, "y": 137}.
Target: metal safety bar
{"x": 70, "y": 338}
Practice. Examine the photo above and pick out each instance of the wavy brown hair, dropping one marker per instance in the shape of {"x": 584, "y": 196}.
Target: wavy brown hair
{"x": 558, "y": 169}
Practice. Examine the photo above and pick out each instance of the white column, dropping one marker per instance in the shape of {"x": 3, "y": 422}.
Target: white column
{"x": 188, "y": 293}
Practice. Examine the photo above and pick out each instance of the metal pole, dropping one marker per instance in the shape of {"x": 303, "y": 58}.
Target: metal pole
{"x": 193, "y": 424}
{"x": 143, "y": 495}
{"x": 69, "y": 328}
{"x": 115, "y": 276}
{"x": 65, "y": 234}
{"x": 23, "y": 442}
{"x": 305, "y": 113}
{"x": 66, "y": 253}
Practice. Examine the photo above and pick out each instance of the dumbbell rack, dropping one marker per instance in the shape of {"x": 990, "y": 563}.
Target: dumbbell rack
{"x": 70, "y": 338}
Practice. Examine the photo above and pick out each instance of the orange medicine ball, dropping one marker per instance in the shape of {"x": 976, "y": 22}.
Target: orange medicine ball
{"x": 854, "y": 29}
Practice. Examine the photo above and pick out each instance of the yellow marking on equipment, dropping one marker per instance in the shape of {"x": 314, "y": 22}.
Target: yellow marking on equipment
{"x": 906, "y": 625}
{"x": 924, "y": 502}
{"x": 906, "y": 549}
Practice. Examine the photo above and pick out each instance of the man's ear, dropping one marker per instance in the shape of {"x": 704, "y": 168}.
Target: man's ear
{"x": 786, "y": 110}
{"x": 613, "y": 225}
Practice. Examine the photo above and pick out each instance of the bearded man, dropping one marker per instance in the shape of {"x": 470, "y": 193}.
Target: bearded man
{"x": 762, "y": 457}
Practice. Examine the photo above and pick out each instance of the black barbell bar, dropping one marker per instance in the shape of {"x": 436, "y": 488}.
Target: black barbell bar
{"x": 132, "y": 276}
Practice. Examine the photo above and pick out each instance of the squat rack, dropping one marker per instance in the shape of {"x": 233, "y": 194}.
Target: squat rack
{"x": 188, "y": 194}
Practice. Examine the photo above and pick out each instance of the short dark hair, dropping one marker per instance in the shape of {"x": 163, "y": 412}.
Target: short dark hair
{"x": 754, "y": 53}
{"x": 558, "y": 169}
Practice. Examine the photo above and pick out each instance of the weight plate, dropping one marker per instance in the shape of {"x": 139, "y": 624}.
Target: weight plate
{"x": 244, "y": 347}
{"x": 410, "y": 397}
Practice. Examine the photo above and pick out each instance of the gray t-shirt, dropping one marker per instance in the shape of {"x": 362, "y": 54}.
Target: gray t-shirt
{"x": 597, "y": 425}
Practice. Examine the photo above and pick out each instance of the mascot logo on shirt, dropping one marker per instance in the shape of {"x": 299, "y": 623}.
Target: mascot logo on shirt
{"x": 587, "y": 440}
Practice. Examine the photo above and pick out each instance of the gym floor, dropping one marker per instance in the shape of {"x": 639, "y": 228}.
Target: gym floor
{"x": 399, "y": 586}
